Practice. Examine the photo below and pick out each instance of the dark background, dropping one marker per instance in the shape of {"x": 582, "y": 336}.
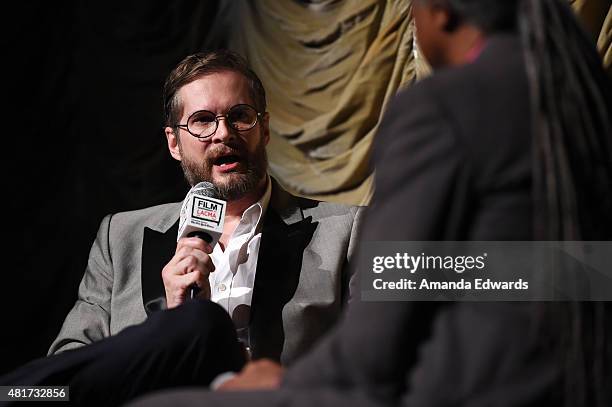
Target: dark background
{"x": 83, "y": 135}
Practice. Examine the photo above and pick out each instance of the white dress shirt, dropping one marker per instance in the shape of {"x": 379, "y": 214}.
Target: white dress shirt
{"x": 232, "y": 282}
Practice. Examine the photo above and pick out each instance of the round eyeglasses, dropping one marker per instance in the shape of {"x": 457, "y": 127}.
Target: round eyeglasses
{"x": 203, "y": 124}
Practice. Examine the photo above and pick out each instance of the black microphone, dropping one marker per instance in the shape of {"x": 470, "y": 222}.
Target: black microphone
{"x": 202, "y": 215}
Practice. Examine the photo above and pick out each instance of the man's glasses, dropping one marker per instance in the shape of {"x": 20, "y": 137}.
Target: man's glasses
{"x": 203, "y": 124}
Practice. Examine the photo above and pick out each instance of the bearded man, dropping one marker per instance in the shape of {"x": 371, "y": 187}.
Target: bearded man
{"x": 280, "y": 268}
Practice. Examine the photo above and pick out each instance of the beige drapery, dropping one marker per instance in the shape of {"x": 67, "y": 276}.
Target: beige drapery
{"x": 597, "y": 18}
{"x": 329, "y": 68}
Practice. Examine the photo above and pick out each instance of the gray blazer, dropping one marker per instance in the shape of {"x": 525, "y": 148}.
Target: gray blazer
{"x": 301, "y": 284}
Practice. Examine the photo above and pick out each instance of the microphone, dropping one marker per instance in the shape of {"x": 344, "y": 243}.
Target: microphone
{"x": 202, "y": 215}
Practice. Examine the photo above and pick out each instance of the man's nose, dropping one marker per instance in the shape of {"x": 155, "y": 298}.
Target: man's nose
{"x": 224, "y": 131}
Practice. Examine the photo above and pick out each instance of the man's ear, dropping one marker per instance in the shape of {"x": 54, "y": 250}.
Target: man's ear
{"x": 173, "y": 143}
{"x": 444, "y": 18}
{"x": 452, "y": 20}
{"x": 266, "y": 127}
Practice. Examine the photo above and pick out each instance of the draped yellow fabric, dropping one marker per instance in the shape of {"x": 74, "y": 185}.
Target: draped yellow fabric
{"x": 604, "y": 44}
{"x": 329, "y": 68}
{"x": 596, "y": 16}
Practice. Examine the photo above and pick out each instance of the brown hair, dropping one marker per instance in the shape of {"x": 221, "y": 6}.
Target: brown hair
{"x": 205, "y": 63}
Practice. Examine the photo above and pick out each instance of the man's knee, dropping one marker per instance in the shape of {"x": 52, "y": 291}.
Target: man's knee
{"x": 193, "y": 319}
{"x": 196, "y": 311}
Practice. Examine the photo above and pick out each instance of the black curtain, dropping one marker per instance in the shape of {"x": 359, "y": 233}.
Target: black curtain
{"x": 83, "y": 136}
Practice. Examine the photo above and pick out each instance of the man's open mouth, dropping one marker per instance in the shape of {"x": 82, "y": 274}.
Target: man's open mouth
{"x": 227, "y": 162}
{"x": 227, "y": 159}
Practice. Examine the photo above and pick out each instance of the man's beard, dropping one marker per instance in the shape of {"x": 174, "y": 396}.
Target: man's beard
{"x": 233, "y": 185}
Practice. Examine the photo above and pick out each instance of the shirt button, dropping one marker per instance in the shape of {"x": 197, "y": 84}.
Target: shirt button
{"x": 222, "y": 287}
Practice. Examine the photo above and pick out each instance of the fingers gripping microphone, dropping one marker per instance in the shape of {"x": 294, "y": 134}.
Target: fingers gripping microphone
{"x": 202, "y": 215}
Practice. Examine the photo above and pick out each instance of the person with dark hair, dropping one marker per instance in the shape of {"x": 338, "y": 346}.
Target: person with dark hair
{"x": 280, "y": 269}
{"x": 217, "y": 127}
{"x": 510, "y": 139}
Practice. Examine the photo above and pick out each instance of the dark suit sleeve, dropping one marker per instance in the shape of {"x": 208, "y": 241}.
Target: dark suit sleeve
{"x": 421, "y": 171}
{"x": 89, "y": 319}
{"x": 374, "y": 345}
{"x": 483, "y": 354}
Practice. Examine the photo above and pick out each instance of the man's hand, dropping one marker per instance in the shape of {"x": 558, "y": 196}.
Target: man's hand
{"x": 191, "y": 264}
{"x": 263, "y": 374}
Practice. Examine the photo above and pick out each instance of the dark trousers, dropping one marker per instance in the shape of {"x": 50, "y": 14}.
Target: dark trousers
{"x": 186, "y": 346}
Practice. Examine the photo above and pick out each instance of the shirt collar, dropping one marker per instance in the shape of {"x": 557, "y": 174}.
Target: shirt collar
{"x": 265, "y": 199}
{"x": 252, "y": 218}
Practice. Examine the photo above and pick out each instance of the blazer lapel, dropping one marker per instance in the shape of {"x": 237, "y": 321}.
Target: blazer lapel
{"x": 285, "y": 235}
{"x": 157, "y": 250}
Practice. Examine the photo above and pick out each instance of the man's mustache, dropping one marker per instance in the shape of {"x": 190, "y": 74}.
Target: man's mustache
{"x": 223, "y": 150}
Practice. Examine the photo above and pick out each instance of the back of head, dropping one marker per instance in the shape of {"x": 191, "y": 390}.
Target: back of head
{"x": 490, "y": 16}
